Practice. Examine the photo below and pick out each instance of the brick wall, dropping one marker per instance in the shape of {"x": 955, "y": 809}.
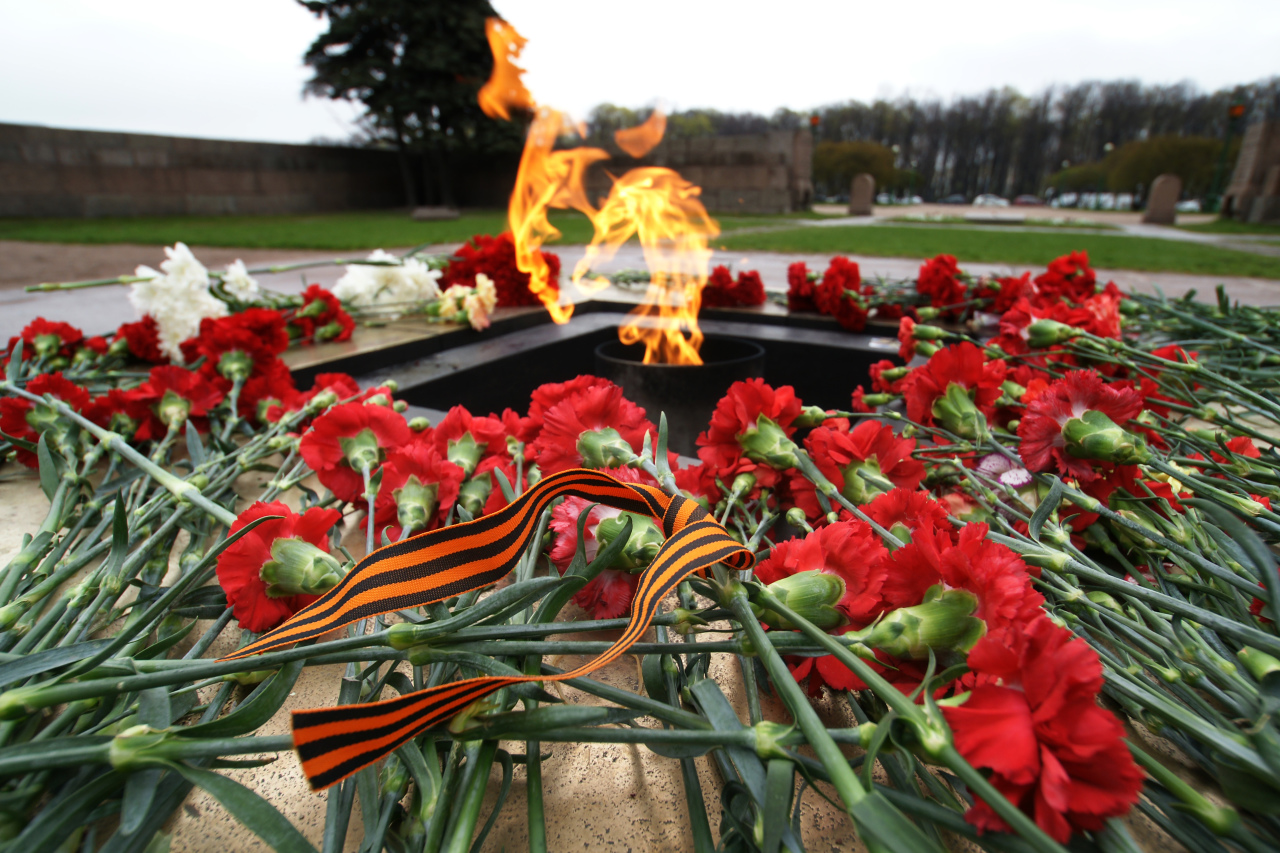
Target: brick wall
{"x": 79, "y": 173}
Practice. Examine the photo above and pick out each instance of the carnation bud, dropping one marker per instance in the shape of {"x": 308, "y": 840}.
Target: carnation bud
{"x": 1260, "y": 665}
{"x": 812, "y": 594}
{"x": 419, "y": 424}
{"x": 810, "y": 416}
{"x": 796, "y": 518}
{"x": 84, "y": 356}
{"x": 1105, "y": 599}
{"x": 1013, "y": 389}
{"x": 864, "y": 481}
{"x": 361, "y": 450}
{"x": 400, "y": 406}
{"x": 1093, "y": 435}
{"x": 928, "y": 312}
{"x": 329, "y": 331}
{"x": 235, "y": 365}
{"x": 893, "y": 374}
{"x": 926, "y": 349}
{"x": 173, "y": 409}
{"x": 119, "y": 347}
{"x": 604, "y": 448}
{"x": 942, "y": 621}
{"x": 766, "y": 442}
{"x": 743, "y": 484}
{"x": 767, "y": 736}
{"x": 416, "y": 503}
{"x": 391, "y": 385}
{"x": 956, "y": 412}
{"x": 297, "y": 567}
{"x": 929, "y": 333}
{"x": 465, "y": 453}
{"x": 874, "y": 400}
{"x": 378, "y": 400}
{"x": 641, "y": 547}
{"x": 322, "y": 401}
{"x": 46, "y": 346}
{"x": 1046, "y": 333}
{"x": 474, "y": 494}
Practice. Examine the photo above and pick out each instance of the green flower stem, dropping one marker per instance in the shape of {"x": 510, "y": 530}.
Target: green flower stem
{"x": 1057, "y": 561}
{"x": 33, "y": 551}
{"x": 480, "y": 756}
{"x": 805, "y": 465}
{"x": 178, "y": 487}
{"x": 233, "y": 411}
{"x": 933, "y": 734}
{"x": 881, "y": 826}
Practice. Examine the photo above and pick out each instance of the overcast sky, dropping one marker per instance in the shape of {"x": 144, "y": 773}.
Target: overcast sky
{"x": 232, "y": 68}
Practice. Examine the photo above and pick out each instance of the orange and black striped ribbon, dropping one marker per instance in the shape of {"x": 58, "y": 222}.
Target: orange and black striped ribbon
{"x": 335, "y": 742}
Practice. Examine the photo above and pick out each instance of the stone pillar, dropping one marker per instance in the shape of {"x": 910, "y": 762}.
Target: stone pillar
{"x": 861, "y": 193}
{"x": 1162, "y": 200}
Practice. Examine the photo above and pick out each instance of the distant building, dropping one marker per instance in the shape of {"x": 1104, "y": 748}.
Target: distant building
{"x": 1254, "y": 192}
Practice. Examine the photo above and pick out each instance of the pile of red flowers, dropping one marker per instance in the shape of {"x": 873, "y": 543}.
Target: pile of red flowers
{"x": 723, "y": 291}
{"x": 496, "y": 258}
{"x": 840, "y": 292}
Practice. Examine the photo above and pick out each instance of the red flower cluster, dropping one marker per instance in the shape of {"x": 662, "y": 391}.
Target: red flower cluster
{"x": 721, "y": 291}
{"x": 801, "y": 294}
{"x": 321, "y": 317}
{"x": 25, "y": 421}
{"x": 1043, "y": 445}
{"x": 843, "y": 295}
{"x": 42, "y": 338}
{"x": 861, "y": 462}
{"x": 939, "y": 279}
{"x": 496, "y": 258}
{"x": 143, "y": 338}
{"x": 961, "y": 364}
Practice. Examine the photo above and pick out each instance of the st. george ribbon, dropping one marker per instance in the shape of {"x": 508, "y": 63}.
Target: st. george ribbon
{"x": 439, "y": 564}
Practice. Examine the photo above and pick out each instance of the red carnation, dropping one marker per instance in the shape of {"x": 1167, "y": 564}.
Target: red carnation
{"x": 849, "y": 550}
{"x": 419, "y": 486}
{"x": 1068, "y": 278}
{"x": 800, "y": 290}
{"x": 960, "y": 364}
{"x": 240, "y": 565}
{"x": 42, "y": 338}
{"x": 608, "y": 595}
{"x": 1043, "y": 444}
{"x": 909, "y": 510}
{"x": 243, "y": 344}
{"x": 171, "y": 396}
{"x": 841, "y": 453}
{"x": 272, "y": 385}
{"x": 370, "y": 432}
{"x": 488, "y": 436}
{"x": 1004, "y": 292}
{"x": 496, "y": 258}
{"x": 738, "y": 413}
{"x": 1034, "y": 722}
{"x": 939, "y": 279}
{"x": 143, "y": 338}
{"x": 119, "y": 411}
{"x": 721, "y": 291}
{"x": 25, "y": 420}
{"x": 548, "y": 395}
{"x": 596, "y": 408}
{"x": 321, "y": 317}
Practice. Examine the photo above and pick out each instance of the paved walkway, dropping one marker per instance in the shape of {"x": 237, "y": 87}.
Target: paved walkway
{"x": 102, "y": 309}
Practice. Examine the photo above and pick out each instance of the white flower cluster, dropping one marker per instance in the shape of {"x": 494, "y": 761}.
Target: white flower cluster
{"x": 476, "y": 303}
{"x": 177, "y": 298}
{"x": 397, "y": 285}
{"x": 237, "y": 281}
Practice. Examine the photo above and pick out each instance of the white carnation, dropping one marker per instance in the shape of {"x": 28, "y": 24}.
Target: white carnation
{"x": 400, "y": 285}
{"x": 239, "y": 283}
{"x": 177, "y": 299}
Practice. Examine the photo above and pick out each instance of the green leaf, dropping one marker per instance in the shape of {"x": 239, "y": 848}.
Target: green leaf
{"x": 139, "y": 792}
{"x": 49, "y": 472}
{"x": 780, "y": 781}
{"x": 1047, "y": 506}
{"x": 504, "y": 758}
{"x": 23, "y": 667}
{"x": 159, "y": 647}
{"x": 256, "y": 814}
{"x": 655, "y": 680}
{"x": 153, "y": 707}
{"x": 206, "y": 602}
{"x": 195, "y": 447}
{"x": 254, "y": 711}
{"x": 14, "y": 370}
{"x": 1264, "y": 562}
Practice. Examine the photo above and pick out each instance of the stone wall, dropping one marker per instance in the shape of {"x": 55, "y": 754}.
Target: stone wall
{"x": 751, "y": 173}
{"x": 78, "y": 173}
{"x": 1254, "y": 192}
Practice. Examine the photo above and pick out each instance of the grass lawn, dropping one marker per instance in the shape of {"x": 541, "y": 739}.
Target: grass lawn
{"x": 1035, "y": 249}
{"x": 336, "y": 231}
{"x": 1231, "y": 226}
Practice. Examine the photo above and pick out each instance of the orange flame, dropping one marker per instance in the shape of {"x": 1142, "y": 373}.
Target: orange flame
{"x": 651, "y": 203}
{"x": 639, "y": 141}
